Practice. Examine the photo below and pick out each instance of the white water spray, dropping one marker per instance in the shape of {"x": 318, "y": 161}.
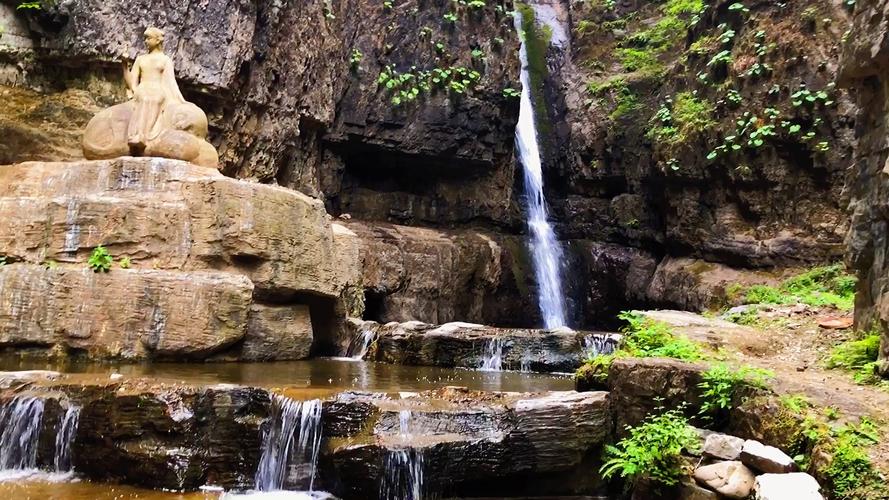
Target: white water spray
{"x": 492, "y": 361}
{"x": 290, "y": 445}
{"x": 65, "y": 439}
{"x": 403, "y": 467}
{"x": 546, "y": 252}
{"x": 360, "y": 344}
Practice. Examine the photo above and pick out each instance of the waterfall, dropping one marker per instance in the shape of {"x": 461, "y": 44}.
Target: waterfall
{"x": 403, "y": 467}
{"x": 546, "y": 251}
{"x": 360, "y": 344}
{"x": 290, "y": 444}
{"x": 20, "y": 421}
{"x": 492, "y": 361}
{"x": 597, "y": 344}
{"x": 65, "y": 438}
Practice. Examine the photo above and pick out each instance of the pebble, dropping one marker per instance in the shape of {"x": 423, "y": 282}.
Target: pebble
{"x": 730, "y": 479}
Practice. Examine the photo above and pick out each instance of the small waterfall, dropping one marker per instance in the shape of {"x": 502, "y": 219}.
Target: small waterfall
{"x": 546, "y": 252}
{"x": 290, "y": 445}
{"x": 492, "y": 361}
{"x": 403, "y": 467}
{"x": 65, "y": 438}
{"x": 20, "y": 421}
{"x": 360, "y": 344}
{"x": 598, "y": 344}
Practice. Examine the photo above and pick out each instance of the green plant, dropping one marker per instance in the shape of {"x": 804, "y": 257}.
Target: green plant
{"x": 511, "y": 93}
{"x": 355, "y": 59}
{"x": 652, "y": 450}
{"x": 450, "y": 17}
{"x": 29, "y": 6}
{"x": 100, "y": 260}
{"x": 688, "y": 116}
{"x": 851, "y": 472}
{"x": 858, "y": 357}
{"x": 721, "y": 383}
{"x": 646, "y": 338}
{"x": 124, "y": 263}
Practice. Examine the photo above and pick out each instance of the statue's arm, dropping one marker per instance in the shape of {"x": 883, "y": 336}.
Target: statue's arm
{"x": 170, "y": 82}
{"x": 131, "y": 75}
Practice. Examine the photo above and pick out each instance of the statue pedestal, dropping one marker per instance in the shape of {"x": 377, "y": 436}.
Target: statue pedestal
{"x": 220, "y": 267}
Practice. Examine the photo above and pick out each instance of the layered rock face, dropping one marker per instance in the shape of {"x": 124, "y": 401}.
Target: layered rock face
{"x": 469, "y": 345}
{"x": 864, "y": 64}
{"x": 311, "y": 96}
{"x": 217, "y": 264}
{"x": 183, "y": 437}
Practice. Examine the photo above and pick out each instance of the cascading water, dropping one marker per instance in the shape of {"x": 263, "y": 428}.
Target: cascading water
{"x": 20, "y": 421}
{"x": 290, "y": 445}
{"x": 492, "y": 361}
{"x": 65, "y": 438}
{"x": 598, "y": 344}
{"x": 360, "y": 344}
{"x": 546, "y": 251}
{"x": 403, "y": 478}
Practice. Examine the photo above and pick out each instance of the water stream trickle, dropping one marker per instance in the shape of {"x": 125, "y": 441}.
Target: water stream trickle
{"x": 20, "y": 421}
{"x": 65, "y": 438}
{"x": 492, "y": 360}
{"x": 290, "y": 445}
{"x": 598, "y": 344}
{"x": 360, "y": 344}
{"x": 403, "y": 467}
{"x": 546, "y": 252}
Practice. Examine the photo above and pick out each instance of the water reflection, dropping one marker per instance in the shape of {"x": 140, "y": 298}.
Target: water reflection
{"x": 334, "y": 374}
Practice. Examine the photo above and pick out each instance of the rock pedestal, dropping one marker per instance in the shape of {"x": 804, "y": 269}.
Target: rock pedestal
{"x": 218, "y": 267}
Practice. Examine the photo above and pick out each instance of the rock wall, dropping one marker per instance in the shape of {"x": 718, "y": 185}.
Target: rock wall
{"x": 213, "y": 264}
{"x": 864, "y": 63}
{"x": 339, "y": 100}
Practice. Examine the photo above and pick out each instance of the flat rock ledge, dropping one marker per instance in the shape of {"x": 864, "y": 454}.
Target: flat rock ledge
{"x": 469, "y": 345}
{"x": 175, "y": 436}
{"x": 219, "y": 268}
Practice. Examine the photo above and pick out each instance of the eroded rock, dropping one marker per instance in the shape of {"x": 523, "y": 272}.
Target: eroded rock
{"x": 766, "y": 458}
{"x": 723, "y": 447}
{"x": 730, "y": 479}
{"x": 797, "y": 485}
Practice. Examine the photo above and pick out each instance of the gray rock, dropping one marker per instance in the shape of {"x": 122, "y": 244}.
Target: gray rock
{"x": 730, "y": 479}
{"x": 723, "y": 447}
{"x": 797, "y": 485}
{"x": 766, "y": 458}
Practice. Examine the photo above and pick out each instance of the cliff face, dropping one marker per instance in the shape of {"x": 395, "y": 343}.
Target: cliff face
{"x": 864, "y": 63}
{"x": 400, "y": 114}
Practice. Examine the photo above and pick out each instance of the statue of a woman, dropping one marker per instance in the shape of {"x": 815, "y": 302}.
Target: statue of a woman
{"x": 156, "y": 121}
{"x": 153, "y": 83}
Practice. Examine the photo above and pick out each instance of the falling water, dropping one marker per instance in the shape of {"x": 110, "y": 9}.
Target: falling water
{"x": 545, "y": 249}
{"x": 290, "y": 445}
{"x": 492, "y": 361}
{"x": 360, "y": 344}
{"x": 403, "y": 467}
{"x": 20, "y": 421}
{"x": 65, "y": 438}
{"x": 597, "y": 344}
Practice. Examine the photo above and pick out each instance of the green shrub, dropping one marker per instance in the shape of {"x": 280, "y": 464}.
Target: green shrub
{"x": 820, "y": 286}
{"x": 851, "y": 472}
{"x": 653, "y": 450}
{"x": 720, "y": 384}
{"x": 100, "y": 260}
{"x": 859, "y": 357}
{"x": 647, "y": 338}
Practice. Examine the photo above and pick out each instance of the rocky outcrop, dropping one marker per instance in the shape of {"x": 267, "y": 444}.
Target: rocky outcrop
{"x": 864, "y": 63}
{"x": 303, "y": 96}
{"x": 216, "y": 262}
{"x": 182, "y": 437}
{"x": 472, "y": 346}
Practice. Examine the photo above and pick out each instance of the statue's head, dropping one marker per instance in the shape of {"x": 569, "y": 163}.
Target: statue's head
{"x": 153, "y": 38}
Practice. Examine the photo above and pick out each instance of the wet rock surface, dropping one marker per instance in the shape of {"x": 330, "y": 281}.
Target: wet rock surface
{"x": 477, "y": 346}
{"x": 177, "y": 436}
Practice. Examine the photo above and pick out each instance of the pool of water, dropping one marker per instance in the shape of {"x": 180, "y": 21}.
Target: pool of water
{"x": 323, "y": 373}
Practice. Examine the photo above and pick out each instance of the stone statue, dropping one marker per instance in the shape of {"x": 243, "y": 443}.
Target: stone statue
{"x": 157, "y": 121}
